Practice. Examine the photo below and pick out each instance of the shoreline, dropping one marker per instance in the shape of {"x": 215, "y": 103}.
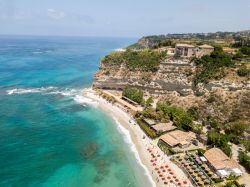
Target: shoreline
{"x": 138, "y": 140}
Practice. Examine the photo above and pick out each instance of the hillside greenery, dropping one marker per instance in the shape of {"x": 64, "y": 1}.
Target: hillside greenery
{"x": 219, "y": 140}
{"x": 212, "y": 66}
{"x": 143, "y": 60}
{"x": 245, "y": 160}
{"x": 134, "y": 94}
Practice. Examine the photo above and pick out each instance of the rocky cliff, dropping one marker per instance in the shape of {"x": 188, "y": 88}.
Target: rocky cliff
{"x": 174, "y": 81}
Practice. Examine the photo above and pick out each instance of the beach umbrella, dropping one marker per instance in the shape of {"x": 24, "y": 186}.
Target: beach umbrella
{"x": 154, "y": 164}
{"x": 203, "y": 177}
{"x": 179, "y": 184}
{"x": 158, "y": 172}
{"x": 169, "y": 177}
{"x": 162, "y": 167}
{"x": 160, "y": 175}
{"x": 194, "y": 166}
{"x": 171, "y": 181}
{"x": 151, "y": 160}
{"x": 199, "y": 162}
{"x": 165, "y": 183}
{"x": 158, "y": 155}
{"x": 207, "y": 181}
{"x": 156, "y": 168}
{"x": 174, "y": 177}
{"x": 163, "y": 178}
{"x": 166, "y": 166}
{"x": 200, "y": 173}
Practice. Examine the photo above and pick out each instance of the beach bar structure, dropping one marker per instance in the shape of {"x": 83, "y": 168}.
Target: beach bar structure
{"x": 163, "y": 127}
{"x": 221, "y": 163}
{"x": 178, "y": 138}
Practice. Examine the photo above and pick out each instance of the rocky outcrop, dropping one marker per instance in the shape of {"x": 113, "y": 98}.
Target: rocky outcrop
{"x": 173, "y": 75}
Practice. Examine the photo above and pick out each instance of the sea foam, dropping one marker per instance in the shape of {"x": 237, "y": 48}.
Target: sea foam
{"x": 75, "y": 94}
{"x": 128, "y": 140}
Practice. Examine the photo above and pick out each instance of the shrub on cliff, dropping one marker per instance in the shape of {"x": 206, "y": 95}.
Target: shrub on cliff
{"x": 245, "y": 160}
{"x": 212, "y": 66}
{"x": 134, "y": 94}
{"x": 243, "y": 71}
{"x": 143, "y": 60}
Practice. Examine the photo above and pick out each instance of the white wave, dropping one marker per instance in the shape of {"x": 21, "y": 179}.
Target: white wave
{"x": 28, "y": 90}
{"x": 75, "y": 94}
{"x": 128, "y": 140}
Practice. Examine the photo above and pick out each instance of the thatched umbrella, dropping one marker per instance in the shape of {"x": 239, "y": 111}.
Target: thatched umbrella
{"x": 206, "y": 181}
{"x": 203, "y": 177}
{"x": 199, "y": 162}
{"x": 194, "y": 166}
{"x": 200, "y": 173}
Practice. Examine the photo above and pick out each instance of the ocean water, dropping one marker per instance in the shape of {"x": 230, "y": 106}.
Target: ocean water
{"x": 49, "y": 134}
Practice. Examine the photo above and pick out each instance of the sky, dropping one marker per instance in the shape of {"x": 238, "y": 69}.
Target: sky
{"x": 121, "y": 18}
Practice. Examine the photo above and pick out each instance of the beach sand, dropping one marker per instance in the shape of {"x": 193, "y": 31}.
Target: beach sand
{"x": 141, "y": 142}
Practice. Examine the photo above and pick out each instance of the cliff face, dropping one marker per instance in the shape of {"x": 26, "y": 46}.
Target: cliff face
{"x": 174, "y": 82}
{"x": 172, "y": 76}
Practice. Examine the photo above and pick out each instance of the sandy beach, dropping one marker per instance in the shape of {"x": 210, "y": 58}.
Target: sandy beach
{"x": 157, "y": 165}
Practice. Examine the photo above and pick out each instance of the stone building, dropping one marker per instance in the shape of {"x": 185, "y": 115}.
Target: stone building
{"x": 204, "y": 50}
{"x": 186, "y": 50}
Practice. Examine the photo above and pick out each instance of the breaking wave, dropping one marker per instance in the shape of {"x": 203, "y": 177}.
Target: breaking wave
{"x": 75, "y": 94}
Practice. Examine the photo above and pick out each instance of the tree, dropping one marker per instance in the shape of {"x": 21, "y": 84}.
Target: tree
{"x": 236, "y": 128}
{"x": 219, "y": 140}
{"x": 134, "y": 94}
{"x": 149, "y": 102}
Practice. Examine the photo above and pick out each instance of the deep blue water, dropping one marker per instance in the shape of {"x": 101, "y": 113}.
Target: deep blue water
{"x": 49, "y": 135}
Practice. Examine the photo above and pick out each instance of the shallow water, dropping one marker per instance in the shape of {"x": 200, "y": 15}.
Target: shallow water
{"x": 50, "y": 134}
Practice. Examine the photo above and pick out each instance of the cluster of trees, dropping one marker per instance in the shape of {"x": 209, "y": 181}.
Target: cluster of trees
{"x": 219, "y": 140}
{"x": 212, "y": 66}
{"x": 245, "y": 160}
{"x": 143, "y": 60}
{"x": 178, "y": 115}
{"x": 234, "y": 132}
{"x": 134, "y": 94}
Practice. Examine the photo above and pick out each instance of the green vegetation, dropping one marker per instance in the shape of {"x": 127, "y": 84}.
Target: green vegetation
{"x": 236, "y": 128}
{"x": 143, "y": 60}
{"x": 149, "y": 102}
{"x": 134, "y": 94}
{"x": 212, "y": 66}
{"x": 194, "y": 112}
{"x": 245, "y": 160}
{"x": 178, "y": 115}
{"x": 245, "y": 50}
{"x": 243, "y": 71}
{"x": 233, "y": 183}
{"x": 152, "y": 134}
{"x": 219, "y": 140}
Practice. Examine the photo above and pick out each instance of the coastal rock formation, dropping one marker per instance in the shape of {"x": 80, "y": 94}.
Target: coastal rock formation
{"x": 173, "y": 75}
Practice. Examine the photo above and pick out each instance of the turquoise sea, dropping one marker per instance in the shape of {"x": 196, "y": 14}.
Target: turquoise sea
{"x": 50, "y": 136}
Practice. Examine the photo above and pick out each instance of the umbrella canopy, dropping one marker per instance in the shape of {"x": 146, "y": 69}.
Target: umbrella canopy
{"x": 203, "y": 177}
{"x": 200, "y": 173}
{"x": 207, "y": 181}
{"x": 194, "y": 166}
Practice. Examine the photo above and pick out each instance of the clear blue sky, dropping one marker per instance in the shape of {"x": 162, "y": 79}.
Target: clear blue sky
{"x": 122, "y": 17}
